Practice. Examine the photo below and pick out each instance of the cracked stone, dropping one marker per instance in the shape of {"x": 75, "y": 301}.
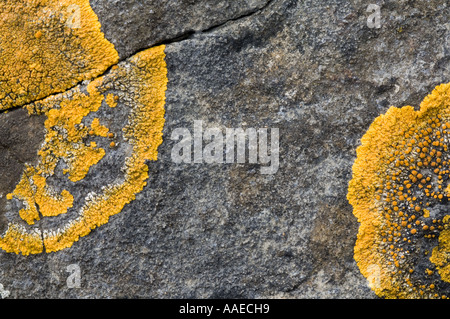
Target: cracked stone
{"x": 314, "y": 70}
{"x": 132, "y": 26}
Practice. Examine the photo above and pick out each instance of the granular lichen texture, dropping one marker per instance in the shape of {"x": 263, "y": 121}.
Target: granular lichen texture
{"x": 400, "y": 193}
{"x": 47, "y": 47}
{"x": 116, "y": 118}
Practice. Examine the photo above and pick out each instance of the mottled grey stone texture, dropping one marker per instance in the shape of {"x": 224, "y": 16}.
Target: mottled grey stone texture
{"x": 135, "y": 25}
{"x": 20, "y": 138}
{"x": 313, "y": 69}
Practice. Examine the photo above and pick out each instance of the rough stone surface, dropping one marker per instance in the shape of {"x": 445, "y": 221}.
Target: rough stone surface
{"x": 135, "y": 25}
{"x": 313, "y": 69}
{"x": 21, "y": 137}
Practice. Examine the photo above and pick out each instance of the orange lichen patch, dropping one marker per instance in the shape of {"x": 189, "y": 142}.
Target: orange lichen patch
{"x": 33, "y": 191}
{"x": 144, "y": 133}
{"x": 145, "y": 78}
{"x": 397, "y": 191}
{"x": 48, "y": 46}
{"x": 18, "y": 240}
{"x": 98, "y": 129}
{"x": 441, "y": 253}
{"x": 66, "y": 134}
{"x": 64, "y": 140}
{"x": 111, "y": 100}
{"x": 447, "y": 190}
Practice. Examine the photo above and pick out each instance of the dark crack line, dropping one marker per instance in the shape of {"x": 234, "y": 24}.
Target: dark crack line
{"x": 246, "y": 15}
{"x": 190, "y": 34}
{"x": 10, "y": 109}
{"x": 183, "y": 37}
{"x": 58, "y": 93}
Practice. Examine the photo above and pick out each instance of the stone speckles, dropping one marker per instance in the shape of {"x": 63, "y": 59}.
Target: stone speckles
{"x": 399, "y": 195}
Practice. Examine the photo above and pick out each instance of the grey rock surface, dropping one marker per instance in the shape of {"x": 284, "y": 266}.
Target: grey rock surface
{"x": 136, "y": 25}
{"x": 21, "y": 137}
{"x": 316, "y": 71}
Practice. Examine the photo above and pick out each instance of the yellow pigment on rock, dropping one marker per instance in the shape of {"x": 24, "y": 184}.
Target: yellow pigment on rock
{"x": 146, "y": 77}
{"x": 47, "y": 47}
{"x": 400, "y": 173}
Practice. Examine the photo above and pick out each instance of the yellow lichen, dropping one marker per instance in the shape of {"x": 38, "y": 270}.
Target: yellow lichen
{"x": 398, "y": 191}
{"x": 144, "y": 132}
{"x": 111, "y": 100}
{"x": 440, "y": 255}
{"x": 65, "y": 132}
{"x": 17, "y": 239}
{"x": 33, "y": 191}
{"x": 98, "y": 129}
{"x": 145, "y": 79}
{"x": 47, "y": 47}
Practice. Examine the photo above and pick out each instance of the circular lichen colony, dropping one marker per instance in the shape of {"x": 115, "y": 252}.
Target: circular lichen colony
{"x": 130, "y": 100}
{"x": 400, "y": 193}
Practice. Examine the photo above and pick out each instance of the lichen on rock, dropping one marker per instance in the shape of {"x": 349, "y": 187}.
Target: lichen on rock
{"x": 140, "y": 84}
{"x": 47, "y": 47}
{"x": 399, "y": 193}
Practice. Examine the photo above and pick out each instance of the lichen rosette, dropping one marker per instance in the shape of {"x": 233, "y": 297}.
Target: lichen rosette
{"x": 399, "y": 191}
